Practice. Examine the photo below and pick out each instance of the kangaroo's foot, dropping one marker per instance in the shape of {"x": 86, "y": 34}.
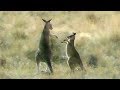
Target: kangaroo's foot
{"x": 50, "y": 66}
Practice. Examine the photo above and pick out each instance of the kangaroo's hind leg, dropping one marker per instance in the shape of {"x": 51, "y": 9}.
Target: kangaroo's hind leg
{"x": 81, "y": 65}
{"x": 49, "y": 66}
{"x": 71, "y": 64}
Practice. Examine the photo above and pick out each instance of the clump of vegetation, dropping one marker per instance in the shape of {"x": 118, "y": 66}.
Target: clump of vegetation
{"x": 55, "y": 47}
{"x": 93, "y": 61}
{"x": 115, "y": 37}
{"x": 4, "y": 43}
{"x": 19, "y": 35}
{"x": 93, "y": 18}
{"x": 30, "y": 54}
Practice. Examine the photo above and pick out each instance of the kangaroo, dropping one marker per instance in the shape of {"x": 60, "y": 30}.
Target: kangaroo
{"x": 72, "y": 54}
{"x": 43, "y": 54}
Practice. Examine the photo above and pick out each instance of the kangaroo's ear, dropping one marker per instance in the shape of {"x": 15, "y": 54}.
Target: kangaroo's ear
{"x": 49, "y": 20}
{"x": 44, "y": 20}
{"x": 74, "y": 33}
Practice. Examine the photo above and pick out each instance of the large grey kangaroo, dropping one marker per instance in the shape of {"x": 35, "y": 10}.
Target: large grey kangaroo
{"x": 72, "y": 54}
{"x": 43, "y": 53}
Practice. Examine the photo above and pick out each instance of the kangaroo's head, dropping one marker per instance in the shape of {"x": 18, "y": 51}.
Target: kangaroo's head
{"x": 71, "y": 37}
{"x": 65, "y": 41}
{"x": 48, "y": 25}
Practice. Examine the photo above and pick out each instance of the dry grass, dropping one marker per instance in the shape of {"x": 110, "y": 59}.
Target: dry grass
{"x": 98, "y": 36}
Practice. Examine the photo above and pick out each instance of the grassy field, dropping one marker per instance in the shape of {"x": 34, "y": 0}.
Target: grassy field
{"x": 97, "y": 41}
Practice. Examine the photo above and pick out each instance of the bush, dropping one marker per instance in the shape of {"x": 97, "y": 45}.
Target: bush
{"x": 93, "y": 61}
{"x": 115, "y": 37}
{"x": 19, "y": 35}
{"x": 92, "y": 18}
{"x": 4, "y": 43}
{"x": 30, "y": 54}
{"x": 56, "y": 48}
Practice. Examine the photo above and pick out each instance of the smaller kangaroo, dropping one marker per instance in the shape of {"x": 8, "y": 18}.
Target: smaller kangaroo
{"x": 72, "y": 54}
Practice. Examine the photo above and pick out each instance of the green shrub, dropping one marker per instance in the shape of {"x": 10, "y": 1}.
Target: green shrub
{"x": 19, "y": 35}
{"x": 93, "y": 61}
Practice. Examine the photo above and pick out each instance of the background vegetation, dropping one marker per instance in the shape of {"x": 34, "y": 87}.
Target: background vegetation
{"x": 97, "y": 41}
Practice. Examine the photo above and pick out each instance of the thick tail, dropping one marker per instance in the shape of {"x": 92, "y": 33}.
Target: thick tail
{"x": 37, "y": 58}
{"x": 81, "y": 65}
{"x": 38, "y": 65}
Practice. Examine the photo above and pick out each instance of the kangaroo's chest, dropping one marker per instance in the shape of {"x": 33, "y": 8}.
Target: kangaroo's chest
{"x": 71, "y": 52}
{"x": 44, "y": 41}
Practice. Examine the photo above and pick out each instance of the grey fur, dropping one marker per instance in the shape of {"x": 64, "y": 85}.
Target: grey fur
{"x": 43, "y": 54}
{"x": 72, "y": 54}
